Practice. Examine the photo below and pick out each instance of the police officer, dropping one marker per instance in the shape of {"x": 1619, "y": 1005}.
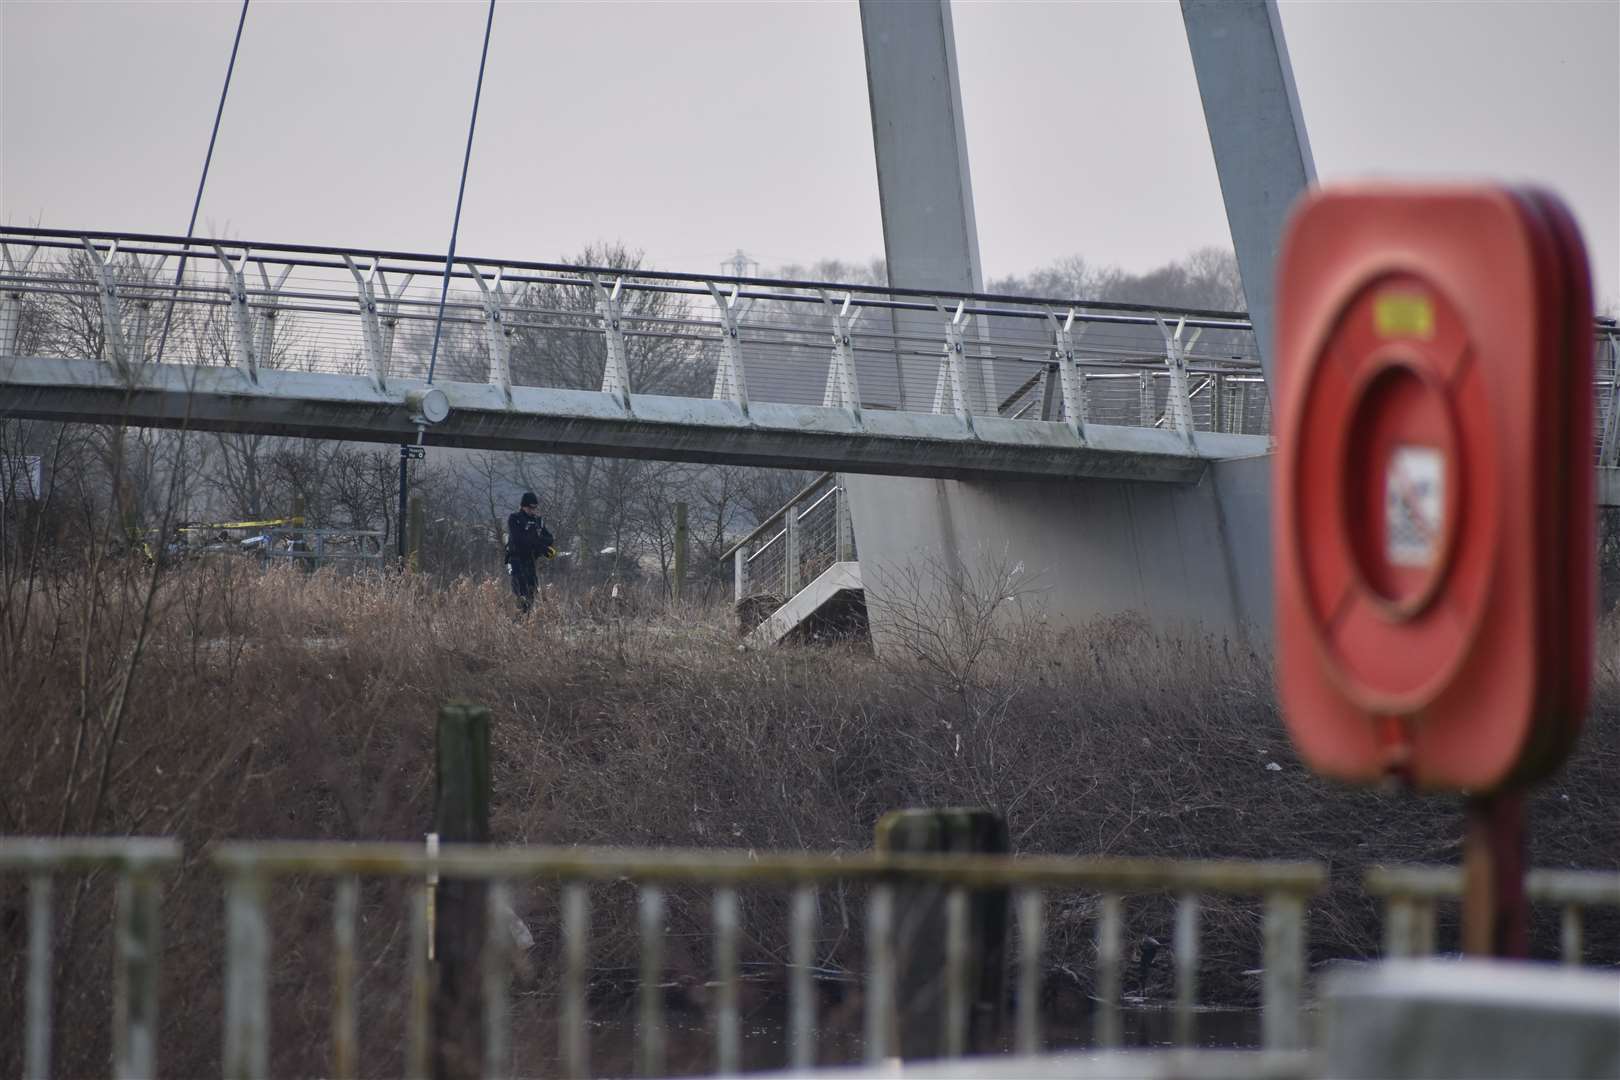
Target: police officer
{"x": 527, "y": 539}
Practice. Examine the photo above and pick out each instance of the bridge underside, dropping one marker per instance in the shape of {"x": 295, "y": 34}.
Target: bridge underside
{"x": 562, "y": 421}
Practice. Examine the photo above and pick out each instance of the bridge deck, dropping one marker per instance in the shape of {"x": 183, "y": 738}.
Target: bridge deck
{"x": 622, "y": 362}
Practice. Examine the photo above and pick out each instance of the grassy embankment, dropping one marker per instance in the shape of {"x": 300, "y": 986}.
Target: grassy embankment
{"x": 285, "y": 706}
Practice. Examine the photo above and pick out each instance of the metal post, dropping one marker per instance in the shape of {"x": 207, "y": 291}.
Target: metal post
{"x": 677, "y": 586}
{"x": 730, "y": 382}
{"x": 143, "y": 308}
{"x": 1110, "y": 953}
{"x": 135, "y": 994}
{"x": 1283, "y": 961}
{"x": 388, "y": 312}
{"x": 790, "y": 550}
{"x": 1051, "y": 396}
{"x": 265, "y": 350}
{"x": 112, "y": 315}
{"x": 40, "y": 933}
{"x": 616, "y": 370}
{"x": 496, "y": 965}
{"x": 345, "y": 1028}
{"x": 949, "y": 388}
{"x": 370, "y": 329}
{"x": 739, "y": 574}
{"x": 407, "y": 454}
{"x": 247, "y": 979}
{"x": 843, "y": 383}
{"x": 497, "y": 332}
{"x": 1178, "y": 400}
{"x": 241, "y": 323}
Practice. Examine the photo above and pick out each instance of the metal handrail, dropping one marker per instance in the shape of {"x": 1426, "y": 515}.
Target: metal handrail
{"x": 759, "y": 529}
{"x": 1410, "y": 894}
{"x": 718, "y": 866}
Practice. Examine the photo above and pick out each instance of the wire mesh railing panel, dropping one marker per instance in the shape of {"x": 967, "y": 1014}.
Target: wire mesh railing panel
{"x": 795, "y": 545}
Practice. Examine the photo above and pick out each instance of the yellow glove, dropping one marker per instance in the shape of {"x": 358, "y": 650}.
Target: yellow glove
{"x": 551, "y": 553}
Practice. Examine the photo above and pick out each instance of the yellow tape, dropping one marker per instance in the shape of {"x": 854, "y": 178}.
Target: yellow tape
{"x": 199, "y": 526}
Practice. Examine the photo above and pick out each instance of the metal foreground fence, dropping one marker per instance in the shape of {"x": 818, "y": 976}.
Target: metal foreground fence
{"x": 1410, "y": 894}
{"x": 138, "y": 863}
{"x": 250, "y": 871}
{"x": 250, "y": 868}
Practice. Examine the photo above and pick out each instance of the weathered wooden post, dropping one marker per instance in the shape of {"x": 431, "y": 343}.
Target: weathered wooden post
{"x": 678, "y": 585}
{"x": 418, "y": 526}
{"x": 937, "y": 1018}
{"x": 461, "y": 816}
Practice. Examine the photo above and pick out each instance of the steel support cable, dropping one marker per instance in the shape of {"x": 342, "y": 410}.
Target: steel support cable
{"x": 455, "y": 222}
{"x": 202, "y": 181}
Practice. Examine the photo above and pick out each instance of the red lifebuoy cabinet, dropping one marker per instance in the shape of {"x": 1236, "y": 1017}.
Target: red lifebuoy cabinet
{"x": 1433, "y": 521}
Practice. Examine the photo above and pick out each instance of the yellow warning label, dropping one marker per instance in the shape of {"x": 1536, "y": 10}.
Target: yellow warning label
{"x": 1404, "y": 315}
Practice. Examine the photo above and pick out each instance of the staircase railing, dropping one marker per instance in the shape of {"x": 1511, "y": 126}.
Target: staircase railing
{"x": 795, "y": 545}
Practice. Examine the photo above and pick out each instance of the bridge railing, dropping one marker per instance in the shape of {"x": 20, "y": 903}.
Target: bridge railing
{"x": 789, "y": 549}
{"x": 251, "y": 869}
{"x": 624, "y": 331}
{"x": 137, "y": 863}
{"x": 1411, "y": 893}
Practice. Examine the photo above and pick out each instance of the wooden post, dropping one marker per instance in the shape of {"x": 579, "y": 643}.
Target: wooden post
{"x": 461, "y": 816}
{"x": 922, "y": 951}
{"x": 418, "y": 525}
{"x": 677, "y": 586}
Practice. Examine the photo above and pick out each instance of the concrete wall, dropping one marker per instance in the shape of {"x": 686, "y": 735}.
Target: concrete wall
{"x": 1189, "y": 557}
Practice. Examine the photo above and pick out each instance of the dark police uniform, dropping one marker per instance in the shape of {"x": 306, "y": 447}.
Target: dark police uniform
{"x": 527, "y": 539}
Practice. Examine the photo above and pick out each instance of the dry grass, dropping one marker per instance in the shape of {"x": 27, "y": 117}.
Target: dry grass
{"x": 292, "y": 706}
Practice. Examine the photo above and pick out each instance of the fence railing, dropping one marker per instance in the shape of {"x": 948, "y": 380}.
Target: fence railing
{"x": 249, "y": 869}
{"x": 138, "y": 864}
{"x": 1410, "y": 894}
{"x": 311, "y": 547}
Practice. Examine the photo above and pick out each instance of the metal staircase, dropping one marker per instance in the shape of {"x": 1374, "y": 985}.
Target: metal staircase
{"x": 797, "y": 570}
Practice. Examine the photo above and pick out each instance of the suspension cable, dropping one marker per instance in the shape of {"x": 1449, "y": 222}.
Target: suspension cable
{"x": 455, "y": 223}
{"x": 208, "y": 159}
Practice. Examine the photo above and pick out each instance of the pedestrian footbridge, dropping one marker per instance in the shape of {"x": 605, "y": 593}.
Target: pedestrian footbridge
{"x": 552, "y": 358}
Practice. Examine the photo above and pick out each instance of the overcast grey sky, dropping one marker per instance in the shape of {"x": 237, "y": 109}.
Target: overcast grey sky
{"x": 692, "y": 129}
